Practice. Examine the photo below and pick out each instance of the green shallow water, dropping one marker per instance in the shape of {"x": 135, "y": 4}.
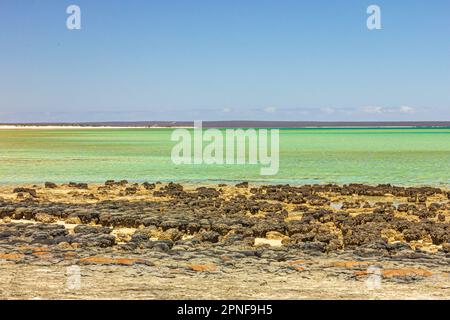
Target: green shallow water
{"x": 353, "y": 155}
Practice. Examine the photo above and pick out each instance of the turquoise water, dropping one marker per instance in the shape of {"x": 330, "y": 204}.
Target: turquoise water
{"x": 370, "y": 155}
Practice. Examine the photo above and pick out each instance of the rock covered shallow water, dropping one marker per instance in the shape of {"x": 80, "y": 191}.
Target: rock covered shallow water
{"x": 157, "y": 240}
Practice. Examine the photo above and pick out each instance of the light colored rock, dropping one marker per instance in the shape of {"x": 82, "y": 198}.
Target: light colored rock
{"x": 6, "y": 219}
{"x": 65, "y": 246}
{"x": 171, "y": 234}
{"x": 123, "y": 234}
{"x": 271, "y": 242}
{"x": 275, "y": 235}
{"x": 73, "y": 220}
{"x": 45, "y": 218}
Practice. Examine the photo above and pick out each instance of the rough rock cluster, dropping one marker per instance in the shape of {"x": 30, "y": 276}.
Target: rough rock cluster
{"x": 212, "y": 228}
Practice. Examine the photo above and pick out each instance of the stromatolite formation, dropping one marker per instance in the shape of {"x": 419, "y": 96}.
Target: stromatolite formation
{"x": 276, "y": 229}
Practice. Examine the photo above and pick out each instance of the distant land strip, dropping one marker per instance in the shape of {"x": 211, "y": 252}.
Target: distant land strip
{"x": 237, "y": 124}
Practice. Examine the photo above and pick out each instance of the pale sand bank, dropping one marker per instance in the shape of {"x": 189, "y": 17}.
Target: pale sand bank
{"x": 14, "y": 127}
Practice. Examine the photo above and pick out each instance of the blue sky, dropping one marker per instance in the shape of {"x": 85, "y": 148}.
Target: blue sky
{"x": 224, "y": 60}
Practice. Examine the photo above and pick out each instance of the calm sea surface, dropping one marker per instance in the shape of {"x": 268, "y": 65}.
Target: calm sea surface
{"x": 380, "y": 155}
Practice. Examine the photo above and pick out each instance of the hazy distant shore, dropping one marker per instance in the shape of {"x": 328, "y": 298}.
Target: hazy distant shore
{"x": 170, "y": 240}
{"x": 225, "y": 124}
{"x": 58, "y": 127}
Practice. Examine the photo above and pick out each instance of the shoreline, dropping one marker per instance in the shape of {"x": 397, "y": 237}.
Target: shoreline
{"x": 35, "y": 127}
{"x": 205, "y": 128}
{"x": 169, "y": 240}
{"x": 216, "y": 183}
{"x": 233, "y": 125}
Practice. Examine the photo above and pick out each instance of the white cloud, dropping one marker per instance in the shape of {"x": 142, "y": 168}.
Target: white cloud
{"x": 270, "y": 110}
{"x": 373, "y": 109}
{"x": 328, "y": 110}
{"x": 382, "y": 110}
{"x": 227, "y": 110}
{"x": 406, "y": 109}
